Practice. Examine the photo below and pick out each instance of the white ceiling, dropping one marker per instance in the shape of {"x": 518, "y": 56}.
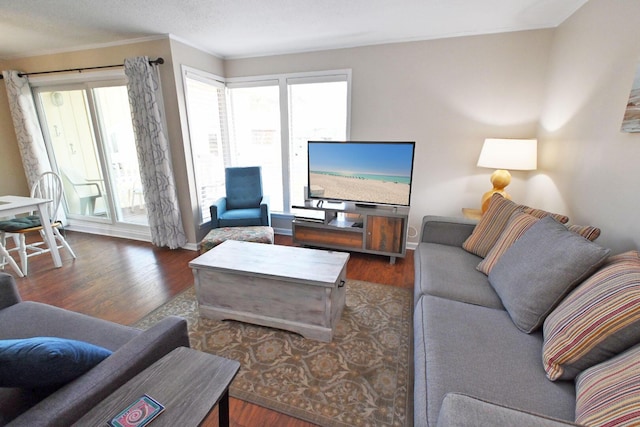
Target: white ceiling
{"x": 241, "y": 28}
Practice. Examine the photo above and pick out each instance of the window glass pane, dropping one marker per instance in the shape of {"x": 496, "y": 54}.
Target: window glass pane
{"x": 255, "y": 136}
{"x": 210, "y": 151}
{"x": 70, "y": 131}
{"x": 118, "y": 138}
{"x": 317, "y": 111}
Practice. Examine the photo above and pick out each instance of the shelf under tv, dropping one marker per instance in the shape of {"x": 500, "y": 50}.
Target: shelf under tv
{"x": 372, "y": 229}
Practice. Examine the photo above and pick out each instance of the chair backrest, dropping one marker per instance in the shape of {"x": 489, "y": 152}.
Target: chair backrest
{"x": 244, "y": 187}
{"x": 81, "y": 186}
{"x": 49, "y": 186}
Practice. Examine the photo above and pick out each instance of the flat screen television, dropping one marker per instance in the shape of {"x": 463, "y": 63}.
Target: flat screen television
{"x": 367, "y": 173}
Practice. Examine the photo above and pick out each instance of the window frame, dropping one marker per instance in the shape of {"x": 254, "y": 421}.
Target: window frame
{"x": 87, "y": 81}
{"x": 218, "y": 82}
{"x": 283, "y": 81}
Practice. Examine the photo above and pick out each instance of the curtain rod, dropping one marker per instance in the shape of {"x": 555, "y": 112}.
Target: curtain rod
{"x": 158, "y": 61}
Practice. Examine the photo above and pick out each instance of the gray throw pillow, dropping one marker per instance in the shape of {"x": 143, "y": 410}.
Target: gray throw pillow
{"x": 540, "y": 269}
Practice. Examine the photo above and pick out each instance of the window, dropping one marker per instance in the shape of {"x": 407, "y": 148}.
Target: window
{"x": 206, "y": 108}
{"x": 256, "y": 139}
{"x": 317, "y": 111}
{"x": 267, "y": 122}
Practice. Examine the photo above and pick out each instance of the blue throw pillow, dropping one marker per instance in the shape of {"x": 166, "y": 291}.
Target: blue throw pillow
{"x": 45, "y": 361}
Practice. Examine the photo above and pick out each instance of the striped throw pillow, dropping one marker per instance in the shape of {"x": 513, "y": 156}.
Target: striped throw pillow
{"x": 586, "y": 231}
{"x": 490, "y": 227}
{"x": 494, "y": 221}
{"x": 608, "y": 394}
{"x": 517, "y": 225}
{"x": 539, "y": 213}
{"x": 599, "y": 319}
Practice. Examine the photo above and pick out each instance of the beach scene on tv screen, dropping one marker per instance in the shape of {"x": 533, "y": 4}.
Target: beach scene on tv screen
{"x": 367, "y": 172}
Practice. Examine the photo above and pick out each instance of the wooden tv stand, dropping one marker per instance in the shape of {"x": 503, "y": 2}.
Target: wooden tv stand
{"x": 378, "y": 230}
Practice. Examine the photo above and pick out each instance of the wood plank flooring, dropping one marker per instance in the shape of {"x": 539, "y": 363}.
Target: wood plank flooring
{"x": 123, "y": 280}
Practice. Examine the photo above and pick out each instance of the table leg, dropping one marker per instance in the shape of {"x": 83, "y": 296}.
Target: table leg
{"x": 223, "y": 410}
{"x": 48, "y": 232}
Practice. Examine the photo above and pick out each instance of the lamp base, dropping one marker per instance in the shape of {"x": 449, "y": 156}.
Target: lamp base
{"x": 500, "y": 179}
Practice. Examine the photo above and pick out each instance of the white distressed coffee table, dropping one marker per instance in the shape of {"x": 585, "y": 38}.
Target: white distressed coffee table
{"x": 296, "y": 289}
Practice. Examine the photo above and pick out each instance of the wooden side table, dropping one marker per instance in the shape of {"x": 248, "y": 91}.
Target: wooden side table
{"x": 472, "y": 213}
{"x": 189, "y": 383}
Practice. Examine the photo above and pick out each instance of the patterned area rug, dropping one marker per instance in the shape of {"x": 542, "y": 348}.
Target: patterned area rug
{"x": 362, "y": 378}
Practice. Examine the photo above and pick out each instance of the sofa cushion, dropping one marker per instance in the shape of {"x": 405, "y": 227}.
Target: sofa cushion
{"x": 460, "y": 410}
{"x": 517, "y": 225}
{"x": 20, "y": 223}
{"x": 474, "y": 350}
{"x": 519, "y": 222}
{"x": 32, "y": 319}
{"x": 495, "y": 219}
{"x": 540, "y": 268}
{"x": 598, "y": 320}
{"x": 449, "y": 272}
{"x": 608, "y": 394}
{"x": 42, "y": 362}
{"x": 243, "y": 187}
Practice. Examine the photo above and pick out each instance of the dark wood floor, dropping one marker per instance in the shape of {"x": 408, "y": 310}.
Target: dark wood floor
{"x": 123, "y": 280}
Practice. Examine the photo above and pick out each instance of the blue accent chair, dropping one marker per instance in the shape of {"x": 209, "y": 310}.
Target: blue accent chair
{"x": 244, "y": 204}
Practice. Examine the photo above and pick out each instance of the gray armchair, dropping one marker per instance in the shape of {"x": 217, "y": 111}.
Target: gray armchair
{"x": 133, "y": 351}
{"x": 244, "y": 204}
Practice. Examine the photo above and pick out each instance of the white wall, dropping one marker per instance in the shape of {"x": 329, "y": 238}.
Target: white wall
{"x": 447, "y": 95}
{"x": 590, "y": 169}
{"x": 182, "y": 54}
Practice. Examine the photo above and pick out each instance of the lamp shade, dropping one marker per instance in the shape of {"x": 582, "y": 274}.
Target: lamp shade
{"x": 514, "y": 154}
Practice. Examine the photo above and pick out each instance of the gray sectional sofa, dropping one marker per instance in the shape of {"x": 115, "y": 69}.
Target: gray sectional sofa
{"x": 473, "y": 366}
{"x": 133, "y": 351}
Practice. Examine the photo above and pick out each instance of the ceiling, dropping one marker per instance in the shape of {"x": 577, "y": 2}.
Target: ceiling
{"x": 244, "y": 28}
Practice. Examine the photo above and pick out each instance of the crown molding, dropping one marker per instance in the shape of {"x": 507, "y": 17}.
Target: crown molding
{"x": 89, "y": 47}
{"x": 195, "y": 46}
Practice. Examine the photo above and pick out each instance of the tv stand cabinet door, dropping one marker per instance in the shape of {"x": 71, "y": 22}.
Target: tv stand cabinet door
{"x": 384, "y": 234}
{"x": 328, "y": 236}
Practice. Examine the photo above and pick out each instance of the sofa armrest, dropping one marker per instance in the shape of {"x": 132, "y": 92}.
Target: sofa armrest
{"x": 71, "y": 402}
{"x": 459, "y": 410}
{"x": 446, "y": 230}
{"x": 9, "y": 294}
{"x": 216, "y": 209}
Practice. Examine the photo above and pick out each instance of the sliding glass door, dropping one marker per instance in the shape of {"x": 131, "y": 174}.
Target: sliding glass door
{"x": 91, "y": 143}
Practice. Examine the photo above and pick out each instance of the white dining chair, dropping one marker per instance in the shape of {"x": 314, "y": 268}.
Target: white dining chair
{"x": 5, "y": 257}
{"x": 48, "y": 186}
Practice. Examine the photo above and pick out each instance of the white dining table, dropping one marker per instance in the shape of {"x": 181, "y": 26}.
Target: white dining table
{"x": 14, "y": 205}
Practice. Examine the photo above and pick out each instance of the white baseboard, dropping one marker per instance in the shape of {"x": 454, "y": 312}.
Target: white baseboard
{"x": 107, "y": 230}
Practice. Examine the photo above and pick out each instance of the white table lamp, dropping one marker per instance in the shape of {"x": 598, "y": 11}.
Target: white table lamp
{"x": 503, "y": 154}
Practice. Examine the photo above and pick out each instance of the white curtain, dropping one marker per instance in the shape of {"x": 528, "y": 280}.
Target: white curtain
{"x": 25, "y": 121}
{"x": 33, "y": 151}
{"x": 152, "y": 147}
